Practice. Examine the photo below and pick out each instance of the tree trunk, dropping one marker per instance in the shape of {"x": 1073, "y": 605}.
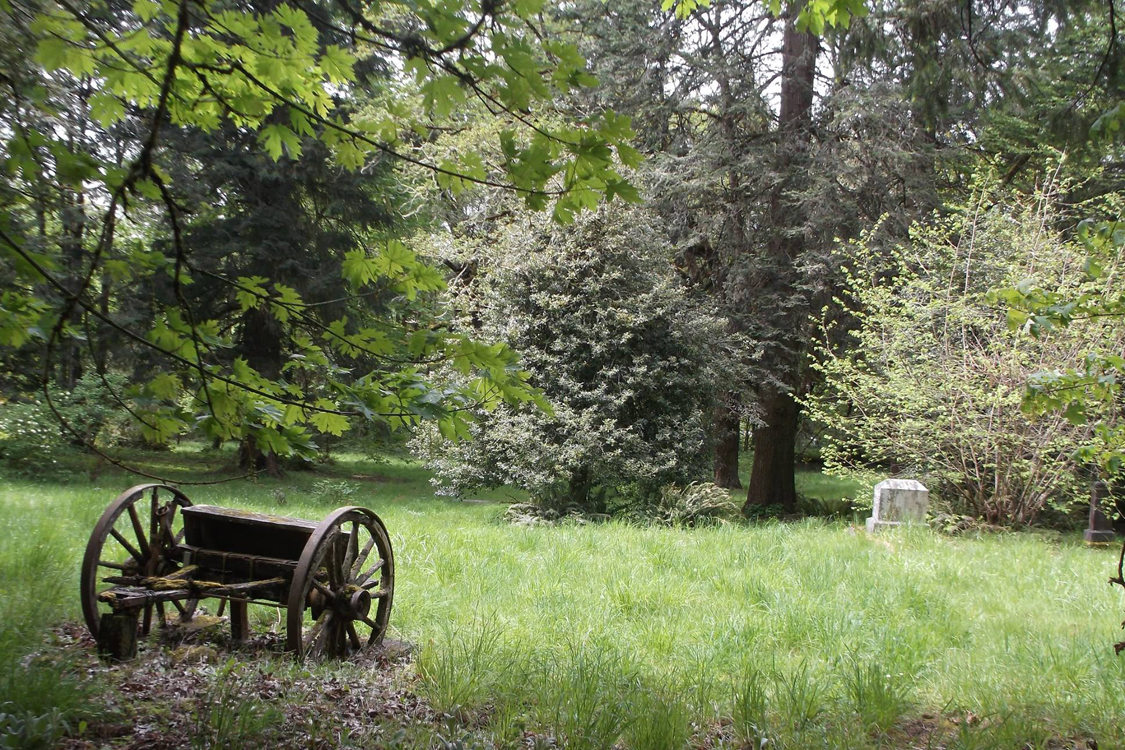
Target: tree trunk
{"x": 73, "y": 225}
{"x": 727, "y": 425}
{"x": 772, "y": 479}
{"x": 253, "y": 459}
{"x": 775, "y": 445}
{"x": 260, "y": 343}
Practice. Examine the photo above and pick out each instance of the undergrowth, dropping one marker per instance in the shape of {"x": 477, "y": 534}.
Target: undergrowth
{"x": 39, "y": 702}
{"x": 807, "y": 634}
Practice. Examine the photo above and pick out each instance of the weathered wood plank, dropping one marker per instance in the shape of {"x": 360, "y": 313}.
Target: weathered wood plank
{"x": 239, "y": 620}
{"x": 223, "y": 564}
{"x": 133, "y": 593}
{"x": 244, "y": 532}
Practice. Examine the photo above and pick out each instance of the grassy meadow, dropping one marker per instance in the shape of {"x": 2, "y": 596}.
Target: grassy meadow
{"x": 804, "y": 634}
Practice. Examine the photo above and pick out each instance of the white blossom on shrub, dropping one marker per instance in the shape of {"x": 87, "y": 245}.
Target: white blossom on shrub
{"x": 618, "y": 346}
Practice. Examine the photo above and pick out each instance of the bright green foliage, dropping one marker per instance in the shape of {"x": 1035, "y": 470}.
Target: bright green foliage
{"x": 1086, "y": 389}
{"x": 815, "y": 15}
{"x": 819, "y": 16}
{"x": 931, "y": 382}
{"x": 618, "y": 348}
{"x": 280, "y": 73}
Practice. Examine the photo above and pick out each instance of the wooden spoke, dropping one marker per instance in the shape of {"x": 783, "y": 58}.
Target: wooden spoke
{"x": 138, "y": 529}
{"x": 146, "y": 622}
{"x": 321, "y": 634}
{"x": 339, "y": 554}
{"x": 318, "y": 626}
{"x": 338, "y": 645}
{"x": 323, "y": 589}
{"x": 332, "y": 563}
{"x": 128, "y": 547}
{"x": 325, "y": 645}
{"x": 369, "y": 622}
{"x": 167, "y": 538}
{"x": 360, "y": 559}
{"x": 353, "y": 636}
{"x": 108, "y": 564}
{"x": 154, "y": 516}
{"x": 351, "y": 552}
{"x": 163, "y": 615}
{"x": 369, "y": 573}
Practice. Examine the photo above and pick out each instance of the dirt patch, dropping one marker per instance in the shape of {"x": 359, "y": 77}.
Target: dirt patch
{"x": 194, "y": 688}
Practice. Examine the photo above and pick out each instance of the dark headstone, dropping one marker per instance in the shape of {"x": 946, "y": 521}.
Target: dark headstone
{"x": 1100, "y": 529}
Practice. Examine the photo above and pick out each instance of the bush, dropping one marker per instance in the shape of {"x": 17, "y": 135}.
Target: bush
{"x": 340, "y": 492}
{"x": 617, "y": 346}
{"x": 931, "y": 381}
{"x": 693, "y": 505}
{"x": 32, "y": 441}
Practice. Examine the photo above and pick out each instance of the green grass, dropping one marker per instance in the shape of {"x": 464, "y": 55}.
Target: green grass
{"x": 807, "y": 634}
{"x": 39, "y": 559}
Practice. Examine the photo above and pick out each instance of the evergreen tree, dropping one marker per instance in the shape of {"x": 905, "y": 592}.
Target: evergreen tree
{"x": 757, "y": 166}
{"x": 769, "y": 144}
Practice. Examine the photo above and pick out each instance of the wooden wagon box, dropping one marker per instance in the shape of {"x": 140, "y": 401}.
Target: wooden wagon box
{"x": 152, "y": 547}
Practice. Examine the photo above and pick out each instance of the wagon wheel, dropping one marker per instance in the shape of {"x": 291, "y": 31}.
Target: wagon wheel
{"x": 136, "y": 536}
{"x": 345, "y": 580}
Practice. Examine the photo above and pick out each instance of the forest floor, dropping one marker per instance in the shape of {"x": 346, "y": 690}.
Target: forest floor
{"x": 793, "y": 635}
{"x": 194, "y": 688}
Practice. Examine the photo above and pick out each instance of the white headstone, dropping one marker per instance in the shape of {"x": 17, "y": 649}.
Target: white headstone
{"x": 898, "y": 501}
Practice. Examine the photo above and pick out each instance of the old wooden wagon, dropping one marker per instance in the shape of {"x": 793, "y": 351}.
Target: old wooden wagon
{"x": 152, "y": 552}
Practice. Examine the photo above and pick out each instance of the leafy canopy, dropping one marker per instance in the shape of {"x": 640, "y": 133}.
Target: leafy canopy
{"x": 814, "y": 16}
{"x": 282, "y": 73}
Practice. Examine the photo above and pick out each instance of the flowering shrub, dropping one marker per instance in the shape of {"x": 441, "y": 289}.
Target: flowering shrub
{"x": 32, "y": 441}
{"x": 620, "y": 350}
{"x": 932, "y": 380}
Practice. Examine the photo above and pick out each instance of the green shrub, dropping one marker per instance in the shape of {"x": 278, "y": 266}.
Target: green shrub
{"x": 695, "y": 504}
{"x": 931, "y": 380}
{"x": 618, "y": 347}
{"x": 32, "y": 440}
{"x": 339, "y": 491}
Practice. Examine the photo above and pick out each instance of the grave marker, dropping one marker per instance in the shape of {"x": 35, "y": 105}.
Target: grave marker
{"x": 898, "y": 501}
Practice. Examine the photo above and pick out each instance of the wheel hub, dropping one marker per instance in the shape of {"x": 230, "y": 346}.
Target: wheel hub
{"x": 358, "y": 604}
